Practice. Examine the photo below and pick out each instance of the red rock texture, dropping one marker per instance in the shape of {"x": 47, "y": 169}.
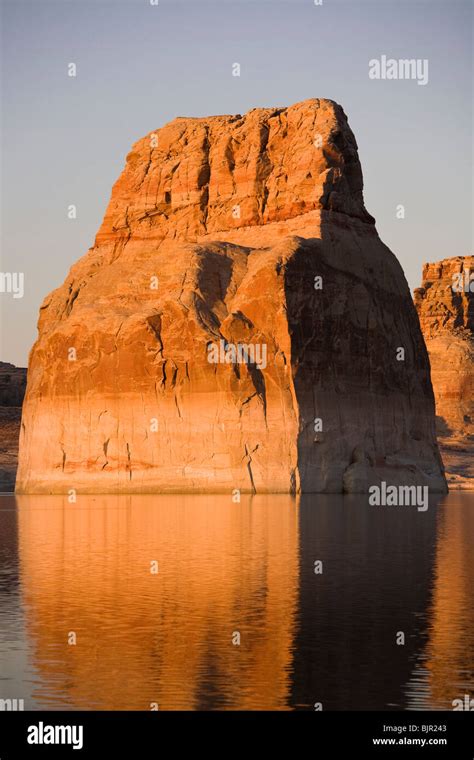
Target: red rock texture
{"x": 445, "y": 305}
{"x": 275, "y": 164}
{"x": 216, "y": 231}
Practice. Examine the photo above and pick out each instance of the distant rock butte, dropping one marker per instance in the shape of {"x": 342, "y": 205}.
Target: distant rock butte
{"x": 12, "y": 384}
{"x": 216, "y": 231}
{"x": 445, "y": 305}
{"x": 12, "y": 391}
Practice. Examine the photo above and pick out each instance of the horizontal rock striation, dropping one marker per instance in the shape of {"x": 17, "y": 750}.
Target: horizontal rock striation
{"x": 238, "y": 324}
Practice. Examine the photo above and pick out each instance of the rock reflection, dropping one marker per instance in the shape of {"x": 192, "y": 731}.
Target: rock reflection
{"x": 163, "y": 638}
{"x": 227, "y": 570}
{"x": 445, "y": 668}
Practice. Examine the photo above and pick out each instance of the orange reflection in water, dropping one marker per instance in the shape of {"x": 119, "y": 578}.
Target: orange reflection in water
{"x": 167, "y": 638}
{"x": 450, "y": 648}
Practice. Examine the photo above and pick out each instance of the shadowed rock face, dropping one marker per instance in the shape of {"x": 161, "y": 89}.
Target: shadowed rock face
{"x": 213, "y": 241}
{"x": 12, "y": 391}
{"x": 12, "y": 384}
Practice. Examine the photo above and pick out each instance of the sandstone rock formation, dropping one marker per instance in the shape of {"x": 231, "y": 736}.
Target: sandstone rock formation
{"x": 222, "y": 233}
{"x": 12, "y": 391}
{"x": 445, "y": 305}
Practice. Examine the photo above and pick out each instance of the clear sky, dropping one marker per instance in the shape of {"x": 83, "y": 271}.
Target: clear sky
{"x": 64, "y": 139}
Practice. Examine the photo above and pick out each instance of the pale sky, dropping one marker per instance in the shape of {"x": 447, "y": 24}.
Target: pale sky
{"x": 64, "y": 140}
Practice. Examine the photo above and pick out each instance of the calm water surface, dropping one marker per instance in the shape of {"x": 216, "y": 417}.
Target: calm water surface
{"x": 226, "y": 570}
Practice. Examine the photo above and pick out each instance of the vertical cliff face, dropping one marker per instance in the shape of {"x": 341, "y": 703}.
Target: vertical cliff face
{"x": 445, "y": 305}
{"x": 238, "y": 324}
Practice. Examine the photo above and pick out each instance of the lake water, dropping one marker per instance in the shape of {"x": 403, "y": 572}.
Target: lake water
{"x": 228, "y": 572}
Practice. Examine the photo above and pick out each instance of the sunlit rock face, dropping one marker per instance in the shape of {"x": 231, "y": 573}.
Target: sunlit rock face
{"x": 445, "y": 304}
{"x": 238, "y": 324}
